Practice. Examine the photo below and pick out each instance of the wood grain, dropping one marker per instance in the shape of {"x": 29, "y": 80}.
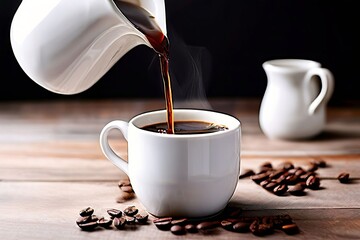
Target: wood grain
{"x": 51, "y": 166}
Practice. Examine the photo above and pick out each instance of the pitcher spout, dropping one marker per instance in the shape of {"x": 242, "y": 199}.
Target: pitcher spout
{"x": 66, "y": 46}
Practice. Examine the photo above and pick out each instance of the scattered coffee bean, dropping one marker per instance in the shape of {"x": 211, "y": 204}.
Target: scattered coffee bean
{"x": 292, "y": 179}
{"x": 94, "y": 218}
{"x": 313, "y": 182}
{"x": 246, "y": 173}
{"x": 204, "y": 226}
{"x": 81, "y": 220}
{"x": 131, "y": 211}
{"x": 181, "y": 221}
{"x": 142, "y": 217}
{"x": 228, "y": 225}
{"x": 271, "y": 185}
{"x": 259, "y": 177}
{"x": 281, "y": 220}
{"x": 191, "y": 228}
{"x": 260, "y": 229}
{"x": 287, "y": 165}
{"x": 306, "y": 175}
{"x": 266, "y": 166}
{"x": 127, "y": 192}
{"x": 290, "y": 229}
{"x": 114, "y": 212}
{"x": 124, "y": 182}
{"x": 278, "y": 180}
{"x": 163, "y": 223}
{"x": 127, "y": 189}
{"x": 86, "y": 212}
{"x": 241, "y": 227}
{"x": 88, "y": 226}
{"x": 344, "y": 177}
{"x": 319, "y": 162}
{"x": 130, "y": 220}
{"x": 277, "y": 173}
{"x": 298, "y": 189}
{"x": 280, "y": 189}
{"x": 299, "y": 172}
{"x": 178, "y": 230}
{"x": 119, "y": 222}
{"x": 105, "y": 223}
{"x": 232, "y": 212}
{"x": 312, "y": 167}
{"x": 124, "y": 197}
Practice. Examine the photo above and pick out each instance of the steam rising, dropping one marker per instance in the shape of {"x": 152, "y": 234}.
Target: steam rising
{"x": 190, "y": 69}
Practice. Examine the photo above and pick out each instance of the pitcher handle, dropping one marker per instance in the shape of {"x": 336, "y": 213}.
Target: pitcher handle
{"x": 327, "y": 87}
{"x": 105, "y": 147}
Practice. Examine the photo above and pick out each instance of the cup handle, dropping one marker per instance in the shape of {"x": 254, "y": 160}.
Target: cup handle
{"x": 327, "y": 87}
{"x": 105, "y": 147}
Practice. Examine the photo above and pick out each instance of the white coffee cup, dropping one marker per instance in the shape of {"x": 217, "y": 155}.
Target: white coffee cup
{"x": 188, "y": 175}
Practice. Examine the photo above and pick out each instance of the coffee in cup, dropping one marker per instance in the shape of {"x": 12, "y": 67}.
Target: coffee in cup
{"x": 188, "y": 174}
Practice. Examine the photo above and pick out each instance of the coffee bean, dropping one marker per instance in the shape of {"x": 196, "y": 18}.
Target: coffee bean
{"x": 178, "y": 230}
{"x": 130, "y": 220}
{"x": 312, "y": 167}
{"x": 290, "y": 229}
{"x": 181, "y": 221}
{"x": 267, "y": 220}
{"x": 266, "y": 165}
{"x": 127, "y": 189}
{"x": 94, "y": 218}
{"x": 105, "y": 223}
{"x": 131, "y": 210}
{"x": 86, "y": 212}
{"x": 119, "y": 222}
{"x": 260, "y": 229}
{"x": 163, "y": 223}
{"x": 277, "y": 173}
{"x": 125, "y": 196}
{"x": 306, "y": 175}
{"x": 271, "y": 185}
{"x": 246, "y": 173}
{"x": 207, "y": 225}
{"x": 259, "y": 177}
{"x": 124, "y": 182}
{"x": 281, "y": 220}
{"x": 191, "y": 228}
{"x": 141, "y": 217}
{"x": 280, "y": 189}
{"x": 114, "y": 212}
{"x": 291, "y": 179}
{"x": 319, "y": 162}
{"x": 81, "y": 220}
{"x": 232, "y": 212}
{"x": 344, "y": 177}
{"x": 228, "y": 225}
{"x": 313, "y": 182}
{"x": 264, "y": 182}
{"x": 88, "y": 226}
{"x": 241, "y": 227}
{"x": 287, "y": 165}
{"x": 298, "y": 189}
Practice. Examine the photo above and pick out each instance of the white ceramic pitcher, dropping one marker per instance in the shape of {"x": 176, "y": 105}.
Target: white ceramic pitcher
{"x": 294, "y": 106}
{"x": 68, "y": 45}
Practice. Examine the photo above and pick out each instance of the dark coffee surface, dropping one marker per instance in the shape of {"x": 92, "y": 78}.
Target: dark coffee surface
{"x": 186, "y": 127}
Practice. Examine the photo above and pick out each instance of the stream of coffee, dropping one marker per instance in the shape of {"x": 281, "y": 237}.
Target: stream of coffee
{"x": 146, "y": 24}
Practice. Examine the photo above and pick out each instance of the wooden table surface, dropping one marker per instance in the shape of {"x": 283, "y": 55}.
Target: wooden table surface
{"x": 51, "y": 167}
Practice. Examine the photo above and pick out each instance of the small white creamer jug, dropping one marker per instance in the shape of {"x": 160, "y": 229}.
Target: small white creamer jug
{"x": 66, "y": 46}
{"x": 294, "y": 104}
